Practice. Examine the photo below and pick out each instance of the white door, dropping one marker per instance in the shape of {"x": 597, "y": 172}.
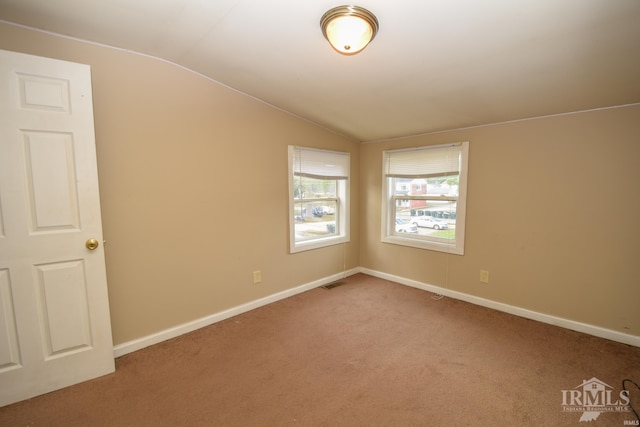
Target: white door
{"x": 54, "y": 315}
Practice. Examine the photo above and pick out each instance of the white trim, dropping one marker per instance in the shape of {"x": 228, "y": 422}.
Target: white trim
{"x": 140, "y": 343}
{"x": 517, "y": 311}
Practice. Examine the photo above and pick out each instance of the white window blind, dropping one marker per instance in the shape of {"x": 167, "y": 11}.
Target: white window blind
{"x": 320, "y": 164}
{"x": 423, "y": 162}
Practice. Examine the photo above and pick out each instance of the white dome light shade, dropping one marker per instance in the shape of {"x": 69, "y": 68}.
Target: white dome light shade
{"x": 349, "y": 29}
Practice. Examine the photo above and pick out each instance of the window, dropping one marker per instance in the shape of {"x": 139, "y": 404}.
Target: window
{"x": 318, "y": 198}
{"x": 424, "y": 194}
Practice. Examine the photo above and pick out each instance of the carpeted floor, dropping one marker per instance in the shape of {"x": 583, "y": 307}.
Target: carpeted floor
{"x": 367, "y": 353}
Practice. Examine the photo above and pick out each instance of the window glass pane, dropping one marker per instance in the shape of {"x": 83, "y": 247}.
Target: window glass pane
{"x": 315, "y": 219}
{"x": 311, "y": 188}
{"x": 437, "y": 186}
{"x": 433, "y": 219}
{"x": 315, "y": 205}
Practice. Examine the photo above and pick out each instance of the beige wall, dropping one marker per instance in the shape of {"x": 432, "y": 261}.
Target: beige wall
{"x": 552, "y": 213}
{"x": 193, "y": 182}
{"x": 551, "y": 209}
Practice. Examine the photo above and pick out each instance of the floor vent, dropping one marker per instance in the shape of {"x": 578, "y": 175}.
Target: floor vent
{"x": 333, "y": 285}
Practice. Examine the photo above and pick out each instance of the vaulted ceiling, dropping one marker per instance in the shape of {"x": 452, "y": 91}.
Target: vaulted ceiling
{"x": 434, "y": 64}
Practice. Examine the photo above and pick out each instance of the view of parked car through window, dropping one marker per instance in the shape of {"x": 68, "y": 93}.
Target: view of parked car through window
{"x": 404, "y": 226}
{"x": 315, "y": 205}
{"x": 429, "y": 205}
{"x": 430, "y": 222}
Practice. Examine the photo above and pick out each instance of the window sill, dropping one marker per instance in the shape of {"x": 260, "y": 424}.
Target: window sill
{"x": 318, "y": 243}
{"x": 407, "y": 240}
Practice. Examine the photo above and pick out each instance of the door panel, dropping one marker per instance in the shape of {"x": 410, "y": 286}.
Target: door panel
{"x": 63, "y": 307}
{"x": 54, "y": 316}
{"x": 51, "y": 180}
{"x": 9, "y": 351}
{"x": 43, "y": 93}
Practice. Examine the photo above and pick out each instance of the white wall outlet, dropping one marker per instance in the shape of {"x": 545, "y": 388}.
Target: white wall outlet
{"x": 257, "y": 277}
{"x": 484, "y": 276}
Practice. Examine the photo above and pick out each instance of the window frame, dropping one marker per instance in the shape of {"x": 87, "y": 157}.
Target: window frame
{"x": 342, "y": 200}
{"x": 389, "y": 200}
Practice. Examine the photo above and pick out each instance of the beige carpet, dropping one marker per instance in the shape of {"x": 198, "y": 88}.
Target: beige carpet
{"x": 368, "y": 353}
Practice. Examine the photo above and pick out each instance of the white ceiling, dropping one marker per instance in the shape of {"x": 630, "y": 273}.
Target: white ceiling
{"x": 434, "y": 65}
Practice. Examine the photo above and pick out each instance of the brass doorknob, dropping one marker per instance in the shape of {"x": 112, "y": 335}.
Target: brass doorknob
{"x": 92, "y": 244}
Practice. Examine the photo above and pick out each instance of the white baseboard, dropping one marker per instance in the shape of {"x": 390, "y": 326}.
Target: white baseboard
{"x": 140, "y": 343}
{"x": 518, "y": 311}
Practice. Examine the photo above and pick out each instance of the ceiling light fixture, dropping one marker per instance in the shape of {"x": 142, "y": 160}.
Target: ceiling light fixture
{"x": 349, "y": 29}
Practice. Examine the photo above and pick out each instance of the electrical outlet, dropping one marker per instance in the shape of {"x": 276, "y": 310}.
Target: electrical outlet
{"x": 484, "y": 276}
{"x": 257, "y": 277}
